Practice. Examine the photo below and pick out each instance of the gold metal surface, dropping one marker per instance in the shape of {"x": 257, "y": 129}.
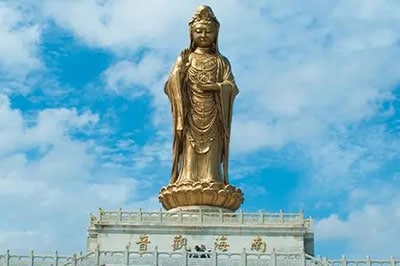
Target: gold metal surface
{"x": 258, "y": 244}
{"x": 201, "y": 90}
{"x": 201, "y": 193}
{"x": 179, "y": 242}
{"x": 143, "y": 242}
{"x": 221, "y": 243}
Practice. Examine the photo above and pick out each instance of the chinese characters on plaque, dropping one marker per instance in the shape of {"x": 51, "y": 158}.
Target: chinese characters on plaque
{"x": 179, "y": 242}
{"x": 143, "y": 242}
{"x": 220, "y": 243}
{"x": 258, "y": 244}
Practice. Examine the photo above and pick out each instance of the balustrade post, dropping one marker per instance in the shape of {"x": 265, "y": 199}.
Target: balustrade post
{"x": 221, "y": 216}
{"x": 160, "y": 213}
{"x": 155, "y": 254}
{"x": 201, "y": 216}
{"x": 120, "y": 215}
{"x": 100, "y": 214}
{"x": 97, "y": 255}
{"x": 56, "y": 258}
{"x": 273, "y": 257}
{"x": 244, "y": 257}
{"x": 75, "y": 260}
{"x": 185, "y": 257}
{"x": 261, "y": 217}
{"x": 140, "y": 215}
{"x": 90, "y": 219}
{"x": 8, "y": 258}
{"x": 32, "y": 258}
{"x": 281, "y": 216}
{"x": 127, "y": 254}
{"x": 392, "y": 261}
{"x": 214, "y": 257}
{"x": 301, "y": 216}
{"x": 344, "y": 260}
{"x": 241, "y": 216}
{"x": 368, "y": 261}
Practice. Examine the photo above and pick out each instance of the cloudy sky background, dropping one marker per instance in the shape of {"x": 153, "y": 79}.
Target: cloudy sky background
{"x": 84, "y": 122}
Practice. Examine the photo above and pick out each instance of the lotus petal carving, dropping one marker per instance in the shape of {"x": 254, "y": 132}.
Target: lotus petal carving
{"x": 214, "y": 194}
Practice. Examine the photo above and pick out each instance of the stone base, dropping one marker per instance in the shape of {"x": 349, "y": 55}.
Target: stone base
{"x": 216, "y": 231}
{"x": 215, "y": 194}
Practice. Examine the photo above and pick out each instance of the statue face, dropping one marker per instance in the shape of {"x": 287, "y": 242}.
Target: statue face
{"x": 204, "y": 35}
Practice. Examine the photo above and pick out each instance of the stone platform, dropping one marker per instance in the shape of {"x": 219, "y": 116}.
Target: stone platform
{"x": 200, "y": 231}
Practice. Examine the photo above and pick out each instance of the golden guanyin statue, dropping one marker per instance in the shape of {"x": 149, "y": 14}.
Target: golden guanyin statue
{"x": 201, "y": 90}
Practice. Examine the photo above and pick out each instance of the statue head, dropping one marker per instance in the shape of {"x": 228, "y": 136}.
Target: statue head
{"x": 204, "y": 28}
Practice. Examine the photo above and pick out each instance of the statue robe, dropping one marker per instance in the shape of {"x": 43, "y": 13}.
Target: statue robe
{"x": 176, "y": 88}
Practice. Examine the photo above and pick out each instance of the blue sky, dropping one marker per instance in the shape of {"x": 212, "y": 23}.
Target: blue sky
{"x": 84, "y": 122}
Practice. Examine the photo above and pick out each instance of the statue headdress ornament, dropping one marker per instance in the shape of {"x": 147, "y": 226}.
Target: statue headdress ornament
{"x": 204, "y": 15}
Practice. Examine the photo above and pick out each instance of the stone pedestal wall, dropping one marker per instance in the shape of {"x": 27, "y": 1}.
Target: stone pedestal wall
{"x": 200, "y": 231}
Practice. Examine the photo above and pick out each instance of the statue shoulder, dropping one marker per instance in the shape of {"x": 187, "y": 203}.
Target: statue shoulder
{"x": 183, "y": 57}
{"x": 182, "y": 60}
{"x": 224, "y": 60}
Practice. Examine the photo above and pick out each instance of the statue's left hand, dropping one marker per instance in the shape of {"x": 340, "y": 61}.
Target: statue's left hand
{"x": 209, "y": 87}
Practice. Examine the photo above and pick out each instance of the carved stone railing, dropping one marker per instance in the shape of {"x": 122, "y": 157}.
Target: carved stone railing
{"x": 206, "y": 218}
{"x": 367, "y": 262}
{"x": 33, "y": 259}
{"x": 183, "y": 258}
{"x": 351, "y": 262}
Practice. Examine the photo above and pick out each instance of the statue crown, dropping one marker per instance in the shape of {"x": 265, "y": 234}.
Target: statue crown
{"x": 204, "y": 15}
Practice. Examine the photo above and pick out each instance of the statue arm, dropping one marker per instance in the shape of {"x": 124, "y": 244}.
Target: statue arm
{"x": 227, "y": 94}
{"x": 174, "y": 89}
{"x": 228, "y": 81}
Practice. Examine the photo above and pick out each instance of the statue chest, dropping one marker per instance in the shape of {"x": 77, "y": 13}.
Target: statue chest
{"x": 203, "y": 68}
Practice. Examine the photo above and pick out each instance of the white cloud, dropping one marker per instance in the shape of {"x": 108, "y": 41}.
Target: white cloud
{"x": 121, "y": 189}
{"x": 368, "y": 221}
{"x": 51, "y": 123}
{"x": 250, "y": 135}
{"x": 370, "y": 230}
{"x": 11, "y": 125}
{"x": 121, "y": 25}
{"x": 133, "y": 80}
{"x": 18, "y": 49}
{"x": 155, "y": 153}
{"x": 46, "y": 179}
